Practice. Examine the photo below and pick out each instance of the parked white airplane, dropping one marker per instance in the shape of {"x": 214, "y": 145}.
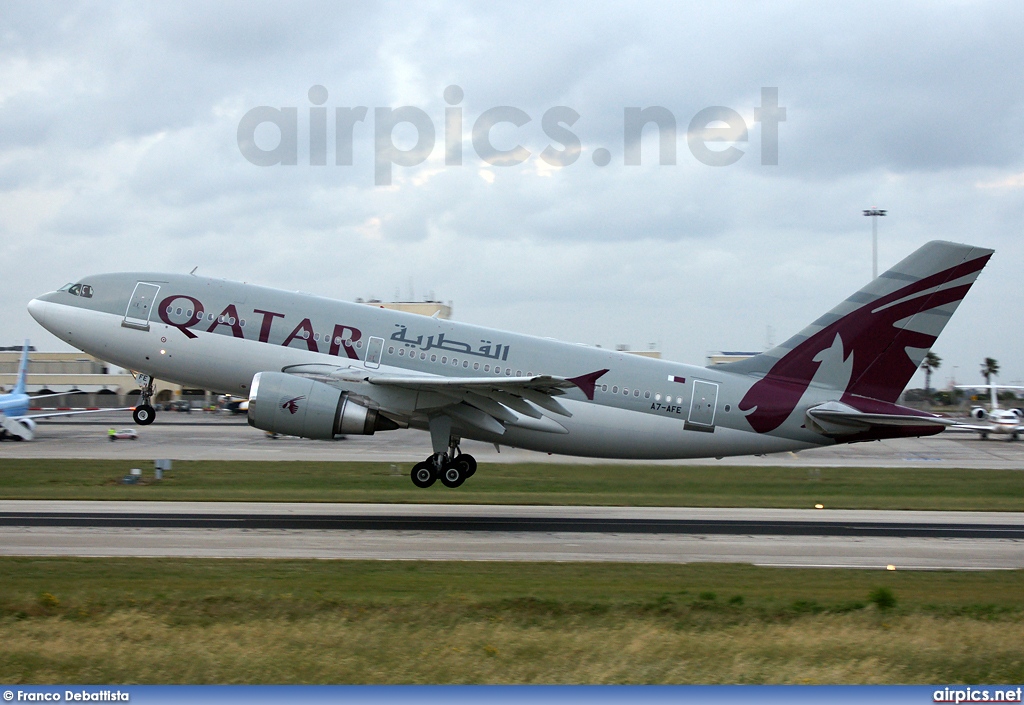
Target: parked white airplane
{"x": 994, "y": 420}
{"x": 320, "y": 368}
{"x": 15, "y": 421}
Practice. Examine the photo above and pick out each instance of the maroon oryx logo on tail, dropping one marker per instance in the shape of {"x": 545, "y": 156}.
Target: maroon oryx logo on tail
{"x": 292, "y": 404}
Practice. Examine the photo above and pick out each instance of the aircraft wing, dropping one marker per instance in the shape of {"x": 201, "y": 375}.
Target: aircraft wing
{"x": 47, "y": 415}
{"x": 981, "y": 428}
{"x": 487, "y": 403}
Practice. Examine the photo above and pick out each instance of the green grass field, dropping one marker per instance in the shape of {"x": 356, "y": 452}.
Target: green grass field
{"x": 697, "y": 486}
{"x": 242, "y": 621}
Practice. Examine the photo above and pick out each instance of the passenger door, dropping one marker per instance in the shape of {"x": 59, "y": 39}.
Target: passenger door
{"x": 702, "y": 407}
{"x": 140, "y": 306}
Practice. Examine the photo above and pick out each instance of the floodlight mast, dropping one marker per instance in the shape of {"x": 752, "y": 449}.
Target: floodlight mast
{"x": 874, "y": 213}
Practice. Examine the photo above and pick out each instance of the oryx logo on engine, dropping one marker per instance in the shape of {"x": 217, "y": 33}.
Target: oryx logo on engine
{"x": 292, "y": 404}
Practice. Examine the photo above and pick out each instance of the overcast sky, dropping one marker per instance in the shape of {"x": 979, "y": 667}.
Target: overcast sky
{"x": 119, "y": 150}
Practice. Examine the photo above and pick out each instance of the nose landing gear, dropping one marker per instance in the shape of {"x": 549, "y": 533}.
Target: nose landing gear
{"x": 144, "y": 413}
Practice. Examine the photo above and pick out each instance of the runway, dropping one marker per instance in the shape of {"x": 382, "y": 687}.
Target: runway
{"x": 201, "y": 436}
{"x": 808, "y": 538}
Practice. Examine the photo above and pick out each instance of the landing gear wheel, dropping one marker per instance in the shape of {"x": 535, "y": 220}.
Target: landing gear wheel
{"x": 470, "y": 464}
{"x": 144, "y": 415}
{"x": 423, "y": 475}
{"x": 454, "y": 474}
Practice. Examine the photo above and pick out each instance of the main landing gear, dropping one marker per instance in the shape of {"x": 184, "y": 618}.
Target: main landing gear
{"x": 144, "y": 413}
{"x": 440, "y": 466}
{"x": 448, "y": 463}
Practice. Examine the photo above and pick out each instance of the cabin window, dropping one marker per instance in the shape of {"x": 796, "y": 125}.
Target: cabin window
{"x": 423, "y": 356}
{"x": 199, "y": 315}
{"x": 625, "y": 391}
{"x": 728, "y": 407}
{"x": 359, "y": 343}
{"x": 455, "y": 363}
{"x": 242, "y": 323}
{"x": 647, "y": 395}
{"x": 615, "y": 389}
{"x": 604, "y": 387}
{"x": 189, "y": 313}
{"x": 519, "y": 373}
{"x": 391, "y": 350}
{"x": 636, "y": 393}
{"x": 316, "y": 336}
{"x": 231, "y": 322}
{"x": 401, "y": 352}
{"x": 487, "y": 368}
{"x": 465, "y": 363}
{"x": 679, "y": 400}
{"x": 444, "y": 360}
{"x": 177, "y": 311}
{"x": 657, "y": 397}
{"x": 433, "y": 358}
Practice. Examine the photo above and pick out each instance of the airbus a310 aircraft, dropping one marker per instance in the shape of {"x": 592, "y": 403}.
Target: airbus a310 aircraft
{"x": 320, "y": 368}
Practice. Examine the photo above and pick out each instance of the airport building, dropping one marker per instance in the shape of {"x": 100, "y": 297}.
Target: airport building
{"x": 96, "y": 382}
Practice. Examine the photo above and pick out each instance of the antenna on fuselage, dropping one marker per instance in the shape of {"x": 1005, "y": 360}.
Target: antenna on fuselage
{"x": 193, "y": 272}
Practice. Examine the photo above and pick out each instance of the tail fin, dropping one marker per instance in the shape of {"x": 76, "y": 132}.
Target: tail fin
{"x": 873, "y": 342}
{"x": 19, "y": 388}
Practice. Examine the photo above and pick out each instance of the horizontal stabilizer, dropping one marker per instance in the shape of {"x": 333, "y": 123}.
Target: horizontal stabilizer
{"x": 837, "y": 419}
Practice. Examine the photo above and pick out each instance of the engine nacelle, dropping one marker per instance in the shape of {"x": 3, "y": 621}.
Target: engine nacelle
{"x": 29, "y": 424}
{"x": 978, "y": 413}
{"x": 296, "y": 406}
{"x": 1019, "y": 413}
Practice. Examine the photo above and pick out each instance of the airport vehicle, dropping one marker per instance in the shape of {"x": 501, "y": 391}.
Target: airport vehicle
{"x": 124, "y": 434}
{"x": 15, "y": 421}
{"x": 993, "y": 420}
{"x": 319, "y": 368}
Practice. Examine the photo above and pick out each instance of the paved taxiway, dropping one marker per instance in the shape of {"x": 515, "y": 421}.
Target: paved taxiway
{"x": 840, "y": 538}
{"x": 200, "y": 436}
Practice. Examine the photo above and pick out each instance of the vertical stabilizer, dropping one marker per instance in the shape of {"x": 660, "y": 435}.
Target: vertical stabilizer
{"x": 19, "y": 388}
{"x": 871, "y": 344}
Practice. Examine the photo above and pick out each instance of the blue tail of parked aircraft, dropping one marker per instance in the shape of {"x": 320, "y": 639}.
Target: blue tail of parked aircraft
{"x": 19, "y": 388}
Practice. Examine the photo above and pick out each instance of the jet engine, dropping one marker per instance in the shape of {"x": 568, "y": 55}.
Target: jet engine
{"x": 1019, "y": 413}
{"x": 29, "y": 424}
{"x": 978, "y": 413}
{"x": 296, "y": 406}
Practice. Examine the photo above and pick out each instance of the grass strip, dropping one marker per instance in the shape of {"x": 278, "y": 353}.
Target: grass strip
{"x": 247, "y": 621}
{"x": 540, "y": 484}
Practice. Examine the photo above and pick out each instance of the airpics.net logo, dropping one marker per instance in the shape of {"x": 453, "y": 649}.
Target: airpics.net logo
{"x": 714, "y": 136}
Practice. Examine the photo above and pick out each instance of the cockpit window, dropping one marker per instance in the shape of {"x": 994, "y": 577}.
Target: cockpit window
{"x": 66, "y": 287}
{"x": 83, "y": 290}
{"x": 86, "y": 291}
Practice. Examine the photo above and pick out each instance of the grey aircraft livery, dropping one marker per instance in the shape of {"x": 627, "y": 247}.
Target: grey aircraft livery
{"x": 320, "y": 368}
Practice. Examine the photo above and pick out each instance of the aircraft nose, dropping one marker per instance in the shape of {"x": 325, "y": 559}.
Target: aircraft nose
{"x": 36, "y": 309}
